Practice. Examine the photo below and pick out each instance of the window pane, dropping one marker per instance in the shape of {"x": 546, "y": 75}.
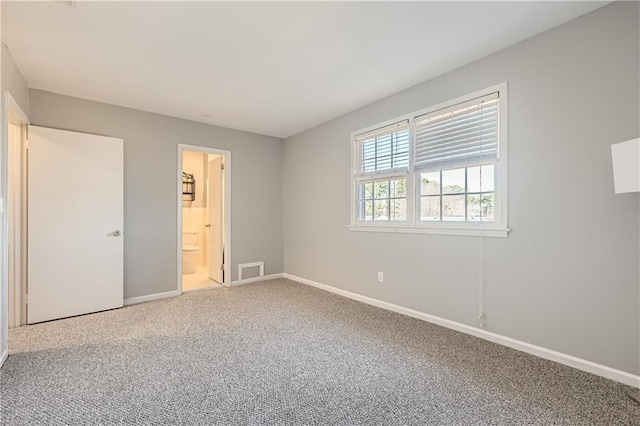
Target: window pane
{"x": 365, "y": 191}
{"x": 384, "y": 162}
{"x": 366, "y": 211}
{"x": 381, "y": 189}
{"x": 384, "y": 144}
{"x": 488, "y": 178}
{"x": 453, "y": 207}
{"x": 401, "y": 149}
{"x": 487, "y": 207}
{"x": 398, "y": 188}
{"x": 368, "y": 191}
{"x": 430, "y": 183}
{"x": 381, "y": 210}
{"x": 430, "y": 208}
{"x": 368, "y": 155}
{"x": 453, "y": 181}
{"x": 399, "y": 210}
{"x": 473, "y": 179}
{"x": 473, "y": 206}
{"x": 385, "y": 151}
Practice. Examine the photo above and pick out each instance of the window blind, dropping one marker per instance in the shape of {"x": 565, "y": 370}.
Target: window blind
{"x": 458, "y": 135}
{"x": 383, "y": 149}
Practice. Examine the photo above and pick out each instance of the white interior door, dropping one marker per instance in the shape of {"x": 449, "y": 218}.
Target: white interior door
{"x": 216, "y": 227}
{"x": 75, "y": 222}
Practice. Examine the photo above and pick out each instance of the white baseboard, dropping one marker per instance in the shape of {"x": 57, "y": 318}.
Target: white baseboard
{"x": 256, "y": 279}
{"x": 559, "y": 357}
{"x": 3, "y": 357}
{"x": 150, "y": 297}
{"x": 156, "y": 296}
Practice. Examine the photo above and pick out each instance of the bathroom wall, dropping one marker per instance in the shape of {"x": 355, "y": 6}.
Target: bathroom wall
{"x": 194, "y": 213}
{"x": 193, "y": 163}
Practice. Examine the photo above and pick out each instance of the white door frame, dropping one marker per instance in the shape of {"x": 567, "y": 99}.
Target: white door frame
{"x": 16, "y": 177}
{"x": 227, "y": 209}
{"x": 215, "y": 174}
{"x": 12, "y": 112}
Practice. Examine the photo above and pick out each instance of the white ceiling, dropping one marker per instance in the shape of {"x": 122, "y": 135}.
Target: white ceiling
{"x": 269, "y": 68}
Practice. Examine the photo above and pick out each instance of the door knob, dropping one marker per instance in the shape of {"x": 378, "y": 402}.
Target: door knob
{"x": 207, "y": 226}
{"x": 116, "y": 233}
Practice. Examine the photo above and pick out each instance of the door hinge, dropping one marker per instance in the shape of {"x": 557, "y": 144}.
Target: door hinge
{"x": 221, "y": 166}
{"x": 222, "y": 267}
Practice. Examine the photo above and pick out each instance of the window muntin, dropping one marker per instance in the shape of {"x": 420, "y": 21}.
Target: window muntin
{"x": 385, "y": 152}
{"x": 464, "y": 194}
{"x": 383, "y": 200}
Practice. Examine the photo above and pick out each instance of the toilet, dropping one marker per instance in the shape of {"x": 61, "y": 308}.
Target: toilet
{"x": 190, "y": 252}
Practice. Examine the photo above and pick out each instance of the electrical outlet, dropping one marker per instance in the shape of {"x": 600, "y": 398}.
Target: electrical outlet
{"x": 380, "y": 277}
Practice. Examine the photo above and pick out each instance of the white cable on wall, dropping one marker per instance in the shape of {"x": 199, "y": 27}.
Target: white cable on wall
{"x": 481, "y": 276}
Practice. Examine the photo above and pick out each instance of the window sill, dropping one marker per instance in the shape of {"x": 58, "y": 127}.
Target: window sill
{"x": 467, "y": 232}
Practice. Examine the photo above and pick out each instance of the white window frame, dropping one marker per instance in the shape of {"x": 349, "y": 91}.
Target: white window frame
{"x": 387, "y": 174}
{"x": 413, "y": 224}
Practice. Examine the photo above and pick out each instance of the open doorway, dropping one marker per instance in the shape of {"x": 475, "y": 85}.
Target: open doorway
{"x": 203, "y": 218}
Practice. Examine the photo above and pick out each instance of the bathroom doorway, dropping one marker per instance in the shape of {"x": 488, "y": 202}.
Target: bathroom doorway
{"x": 203, "y": 218}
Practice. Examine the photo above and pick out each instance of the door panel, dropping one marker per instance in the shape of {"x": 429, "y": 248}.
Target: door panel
{"x": 75, "y": 203}
{"x": 214, "y": 198}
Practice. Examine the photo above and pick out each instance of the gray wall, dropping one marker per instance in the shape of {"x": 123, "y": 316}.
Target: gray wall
{"x": 150, "y": 169}
{"x": 567, "y": 277}
{"x": 13, "y": 81}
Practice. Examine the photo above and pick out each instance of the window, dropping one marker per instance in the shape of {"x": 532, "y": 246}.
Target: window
{"x": 439, "y": 170}
{"x": 381, "y": 179}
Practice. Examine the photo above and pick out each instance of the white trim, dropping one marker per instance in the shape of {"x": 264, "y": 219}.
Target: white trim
{"x": 242, "y": 266}
{"x": 468, "y": 232}
{"x": 559, "y": 357}
{"x": 393, "y": 128}
{"x": 15, "y": 223}
{"x": 150, "y": 297}
{"x": 626, "y": 167}
{"x": 12, "y": 112}
{"x": 179, "y": 197}
{"x": 14, "y": 108}
{"x": 3, "y": 358}
{"x": 257, "y": 279}
{"x": 227, "y": 209}
{"x": 16, "y": 248}
{"x": 478, "y": 93}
